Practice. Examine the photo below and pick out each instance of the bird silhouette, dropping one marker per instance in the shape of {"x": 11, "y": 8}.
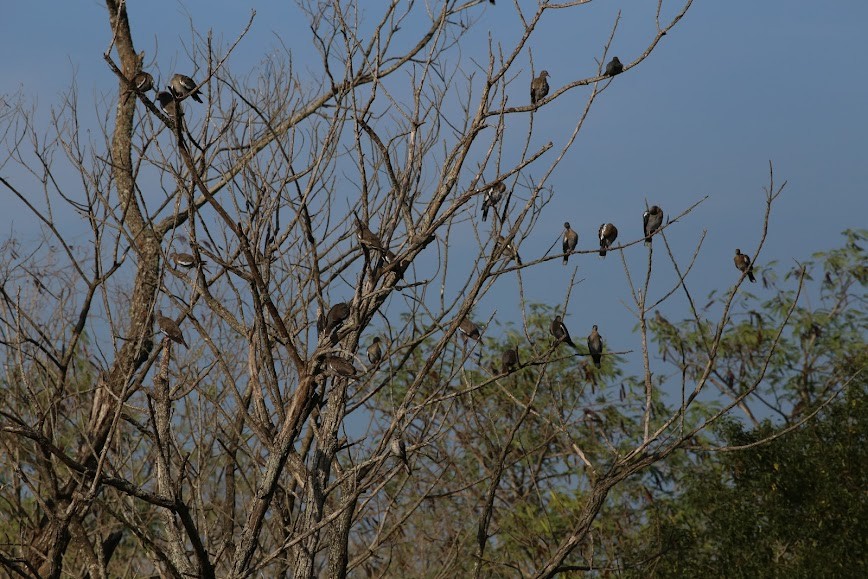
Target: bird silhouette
{"x": 507, "y": 249}
{"x": 652, "y": 219}
{"x": 168, "y": 104}
{"x": 183, "y": 86}
{"x": 492, "y": 197}
{"x": 375, "y": 352}
{"x": 399, "y": 450}
{"x": 509, "y": 360}
{"x": 170, "y": 329}
{"x": 570, "y": 241}
{"x": 595, "y": 346}
{"x": 560, "y": 332}
{"x": 608, "y": 233}
{"x": 742, "y": 262}
{"x": 539, "y": 87}
{"x": 614, "y": 67}
{"x": 469, "y": 329}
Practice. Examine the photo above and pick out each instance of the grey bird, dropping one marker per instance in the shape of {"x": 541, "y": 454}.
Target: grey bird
{"x": 493, "y": 196}
{"x": 560, "y": 332}
{"x": 607, "y": 233}
{"x": 468, "y": 329}
{"x": 390, "y": 262}
{"x": 652, "y": 219}
{"x": 570, "y": 241}
{"x": 143, "y": 81}
{"x": 595, "y": 346}
{"x": 539, "y": 87}
{"x": 742, "y": 262}
{"x": 399, "y": 450}
{"x": 507, "y": 249}
{"x": 375, "y": 352}
{"x": 187, "y": 260}
{"x": 337, "y": 315}
{"x": 338, "y": 366}
{"x": 614, "y": 67}
{"x": 367, "y": 238}
{"x": 509, "y": 360}
{"x": 170, "y": 329}
{"x": 183, "y": 86}
{"x": 168, "y": 103}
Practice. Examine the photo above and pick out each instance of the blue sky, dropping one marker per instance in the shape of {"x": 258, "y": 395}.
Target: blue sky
{"x": 736, "y": 84}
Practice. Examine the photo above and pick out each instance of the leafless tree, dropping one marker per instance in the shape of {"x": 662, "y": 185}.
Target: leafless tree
{"x": 273, "y": 446}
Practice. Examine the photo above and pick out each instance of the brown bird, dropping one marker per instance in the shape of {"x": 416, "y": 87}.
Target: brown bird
{"x": 337, "y": 366}
{"x": 367, "y": 238}
{"x": 394, "y": 265}
{"x": 170, "y": 329}
{"x": 595, "y": 346}
{"x": 560, "y": 332}
{"x": 652, "y": 220}
{"x": 143, "y": 81}
{"x": 337, "y": 315}
{"x": 469, "y": 329}
{"x": 168, "y": 104}
{"x": 570, "y": 241}
{"x": 399, "y": 449}
{"x": 742, "y": 262}
{"x": 509, "y": 360}
{"x": 507, "y": 248}
{"x": 614, "y": 67}
{"x": 493, "y": 196}
{"x": 183, "y": 86}
{"x": 375, "y": 352}
{"x": 608, "y": 233}
{"x": 539, "y": 87}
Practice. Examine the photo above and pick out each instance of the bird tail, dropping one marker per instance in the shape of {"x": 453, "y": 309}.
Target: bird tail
{"x": 750, "y": 275}
{"x": 566, "y": 258}
{"x": 484, "y": 211}
{"x": 603, "y": 250}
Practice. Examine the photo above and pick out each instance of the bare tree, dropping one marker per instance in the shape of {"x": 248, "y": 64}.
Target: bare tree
{"x": 309, "y": 215}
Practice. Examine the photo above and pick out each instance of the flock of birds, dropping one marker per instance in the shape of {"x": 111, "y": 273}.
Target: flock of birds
{"x": 182, "y": 87}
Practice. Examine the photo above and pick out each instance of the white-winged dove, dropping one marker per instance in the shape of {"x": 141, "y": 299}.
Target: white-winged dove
{"x": 469, "y": 329}
{"x": 183, "y": 86}
{"x": 337, "y": 366}
{"x": 170, "y": 329}
{"x": 539, "y": 87}
{"x": 507, "y": 249}
{"x": 570, "y": 241}
{"x": 509, "y": 360}
{"x": 608, "y": 233}
{"x": 187, "y": 260}
{"x": 595, "y": 346}
{"x": 652, "y": 219}
{"x": 742, "y": 262}
{"x": 168, "y": 103}
{"x": 560, "y": 332}
{"x": 614, "y": 67}
{"x": 368, "y": 239}
{"x": 143, "y": 81}
{"x": 493, "y": 196}
{"x": 336, "y": 316}
{"x": 375, "y": 352}
{"x": 399, "y": 450}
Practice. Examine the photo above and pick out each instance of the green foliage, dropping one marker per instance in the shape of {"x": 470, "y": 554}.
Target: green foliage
{"x": 793, "y": 507}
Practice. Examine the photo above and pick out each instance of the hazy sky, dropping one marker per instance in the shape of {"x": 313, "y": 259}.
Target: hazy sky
{"x": 736, "y": 84}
